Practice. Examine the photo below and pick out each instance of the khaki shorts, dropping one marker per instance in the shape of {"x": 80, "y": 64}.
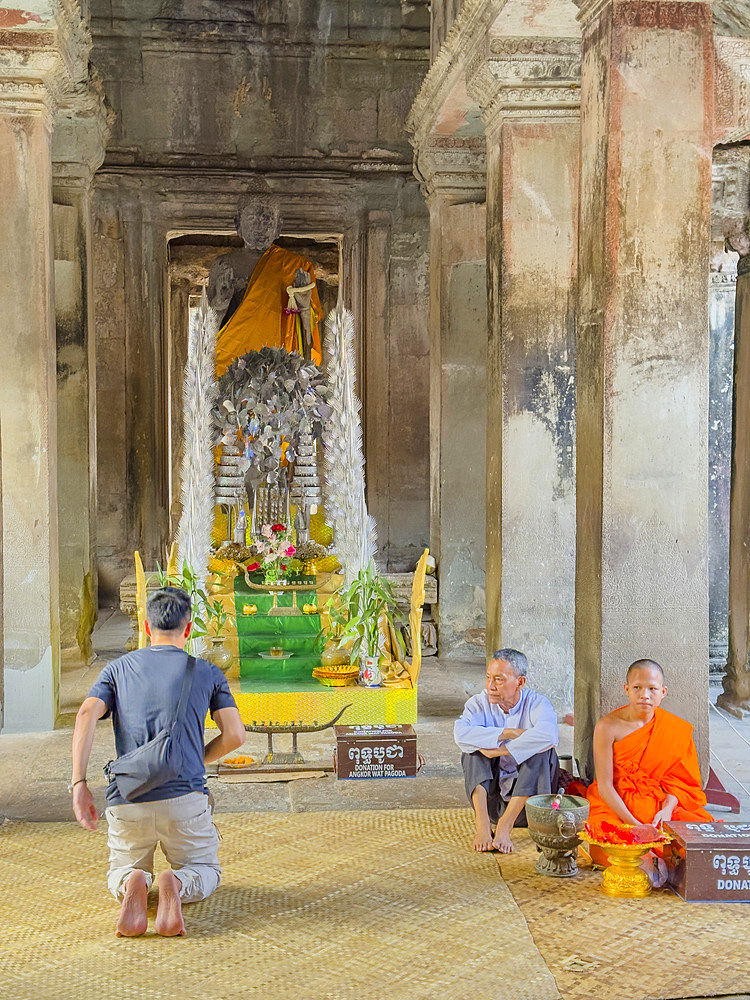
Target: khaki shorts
{"x": 183, "y": 827}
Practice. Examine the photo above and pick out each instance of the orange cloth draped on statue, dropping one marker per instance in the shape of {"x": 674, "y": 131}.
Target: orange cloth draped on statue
{"x": 260, "y": 320}
{"x": 657, "y": 760}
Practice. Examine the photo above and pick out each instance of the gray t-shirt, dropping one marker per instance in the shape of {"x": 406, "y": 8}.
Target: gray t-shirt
{"x": 141, "y": 691}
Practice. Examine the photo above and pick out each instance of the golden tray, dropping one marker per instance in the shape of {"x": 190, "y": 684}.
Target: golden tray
{"x": 624, "y": 878}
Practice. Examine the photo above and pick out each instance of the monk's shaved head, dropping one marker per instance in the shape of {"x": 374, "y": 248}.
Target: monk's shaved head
{"x": 644, "y": 665}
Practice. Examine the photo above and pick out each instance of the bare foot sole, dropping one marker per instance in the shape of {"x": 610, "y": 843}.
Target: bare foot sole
{"x": 483, "y": 838}
{"x": 502, "y": 842}
{"x": 169, "y": 922}
{"x": 133, "y": 920}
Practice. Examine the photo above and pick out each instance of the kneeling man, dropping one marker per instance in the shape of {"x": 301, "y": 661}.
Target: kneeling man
{"x": 508, "y": 735}
{"x": 141, "y": 691}
{"x": 645, "y": 759}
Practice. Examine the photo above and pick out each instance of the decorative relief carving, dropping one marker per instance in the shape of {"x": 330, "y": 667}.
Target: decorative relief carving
{"x": 526, "y": 74}
{"x": 471, "y": 23}
{"x": 722, "y": 278}
{"x": 38, "y": 66}
{"x": 569, "y": 47}
{"x": 448, "y": 162}
{"x": 674, "y": 14}
{"x": 732, "y": 89}
{"x": 662, "y": 14}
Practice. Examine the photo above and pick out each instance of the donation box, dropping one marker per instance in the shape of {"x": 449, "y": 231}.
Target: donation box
{"x": 375, "y": 752}
{"x": 709, "y": 862}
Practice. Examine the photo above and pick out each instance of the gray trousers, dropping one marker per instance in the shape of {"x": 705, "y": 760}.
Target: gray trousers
{"x": 538, "y": 775}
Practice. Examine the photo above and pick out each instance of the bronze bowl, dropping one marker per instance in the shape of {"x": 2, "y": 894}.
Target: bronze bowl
{"x": 555, "y": 832}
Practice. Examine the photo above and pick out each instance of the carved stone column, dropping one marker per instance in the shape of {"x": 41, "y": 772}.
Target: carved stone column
{"x": 452, "y": 170}
{"x": 528, "y": 89}
{"x": 35, "y": 69}
{"x": 78, "y": 144}
{"x": 643, "y": 353}
{"x": 736, "y": 694}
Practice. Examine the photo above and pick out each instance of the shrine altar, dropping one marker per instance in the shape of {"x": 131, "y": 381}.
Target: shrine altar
{"x": 281, "y": 690}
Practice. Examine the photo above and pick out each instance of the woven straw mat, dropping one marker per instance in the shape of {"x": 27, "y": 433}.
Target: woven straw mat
{"x": 600, "y": 948}
{"x": 391, "y": 905}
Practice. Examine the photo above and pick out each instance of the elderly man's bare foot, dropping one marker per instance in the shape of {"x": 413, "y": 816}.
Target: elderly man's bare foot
{"x": 483, "y": 836}
{"x": 133, "y": 920}
{"x": 169, "y": 922}
{"x": 501, "y": 841}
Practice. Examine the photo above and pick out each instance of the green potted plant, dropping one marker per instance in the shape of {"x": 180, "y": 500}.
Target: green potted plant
{"x": 188, "y": 581}
{"x": 355, "y": 616}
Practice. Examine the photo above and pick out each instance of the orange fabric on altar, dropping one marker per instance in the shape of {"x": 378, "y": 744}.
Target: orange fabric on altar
{"x": 260, "y": 320}
{"x": 657, "y": 760}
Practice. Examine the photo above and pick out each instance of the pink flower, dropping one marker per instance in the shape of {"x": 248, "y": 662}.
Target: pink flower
{"x": 267, "y": 531}
{"x": 260, "y": 546}
{"x": 289, "y": 551}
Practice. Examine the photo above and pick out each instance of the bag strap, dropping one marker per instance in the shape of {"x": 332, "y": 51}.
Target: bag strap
{"x": 187, "y": 683}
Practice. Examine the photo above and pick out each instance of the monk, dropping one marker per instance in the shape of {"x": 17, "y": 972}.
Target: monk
{"x": 645, "y": 759}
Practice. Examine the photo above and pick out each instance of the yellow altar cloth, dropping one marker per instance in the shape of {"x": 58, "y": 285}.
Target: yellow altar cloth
{"x": 260, "y": 320}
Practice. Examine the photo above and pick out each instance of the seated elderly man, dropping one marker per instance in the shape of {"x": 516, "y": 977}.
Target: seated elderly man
{"x": 508, "y": 735}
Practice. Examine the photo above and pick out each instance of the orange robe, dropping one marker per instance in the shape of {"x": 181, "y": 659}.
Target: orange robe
{"x": 260, "y": 320}
{"x": 657, "y": 760}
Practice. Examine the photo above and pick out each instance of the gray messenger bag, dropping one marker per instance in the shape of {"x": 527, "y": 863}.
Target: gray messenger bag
{"x": 158, "y": 761}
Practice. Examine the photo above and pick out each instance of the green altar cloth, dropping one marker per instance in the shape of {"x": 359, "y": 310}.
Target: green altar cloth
{"x": 296, "y": 634}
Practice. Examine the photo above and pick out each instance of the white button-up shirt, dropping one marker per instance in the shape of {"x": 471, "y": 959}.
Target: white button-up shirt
{"x": 481, "y": 724}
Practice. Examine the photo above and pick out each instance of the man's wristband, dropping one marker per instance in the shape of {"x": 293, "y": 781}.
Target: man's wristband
{"x": 73, "y": 784}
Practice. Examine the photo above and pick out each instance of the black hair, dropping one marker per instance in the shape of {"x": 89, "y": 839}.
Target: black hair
{"x": 644, "y": 664}
{"x": 168, "y": 609}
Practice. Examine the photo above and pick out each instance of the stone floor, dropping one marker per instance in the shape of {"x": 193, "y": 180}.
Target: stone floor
{"x": 36, "y": 768}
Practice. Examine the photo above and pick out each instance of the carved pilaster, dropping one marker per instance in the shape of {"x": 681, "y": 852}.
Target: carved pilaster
{"x": 82, "y": 127}
{"x": 732, "y": 90}
{"x": 526, "y": 78}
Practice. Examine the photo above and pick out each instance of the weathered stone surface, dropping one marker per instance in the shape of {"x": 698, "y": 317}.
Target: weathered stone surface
{"x": 458, "y": 337}
{"x": 39, "y": 61}
{"x": 642, "y": 417}
{"x": 532, "y": 207}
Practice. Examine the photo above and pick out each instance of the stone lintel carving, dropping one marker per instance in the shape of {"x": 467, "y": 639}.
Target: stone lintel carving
{"x": 468, "y": 30}
{"x": 452, "y": 165}
{"x": 42, "y": 60}
{"x": 526, "y": 77}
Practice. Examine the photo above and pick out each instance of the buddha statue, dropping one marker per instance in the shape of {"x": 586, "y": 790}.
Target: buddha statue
{"x": 265, "y": 294}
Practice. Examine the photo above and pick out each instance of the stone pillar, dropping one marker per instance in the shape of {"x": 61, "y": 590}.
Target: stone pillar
{"x": 32, "y": 74}
{"x": 736, "y": 694}
{"x": 77, "y": 151}
{"x": 453, "y": 174}
{"x": 643, "y": 351}
{"x": 723, "y": 280}
{"x": 532, "y": 135}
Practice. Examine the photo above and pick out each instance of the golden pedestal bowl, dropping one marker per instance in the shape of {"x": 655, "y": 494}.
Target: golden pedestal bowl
{"x": 341, "y": 675}
{"x": 624, "y": 878}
